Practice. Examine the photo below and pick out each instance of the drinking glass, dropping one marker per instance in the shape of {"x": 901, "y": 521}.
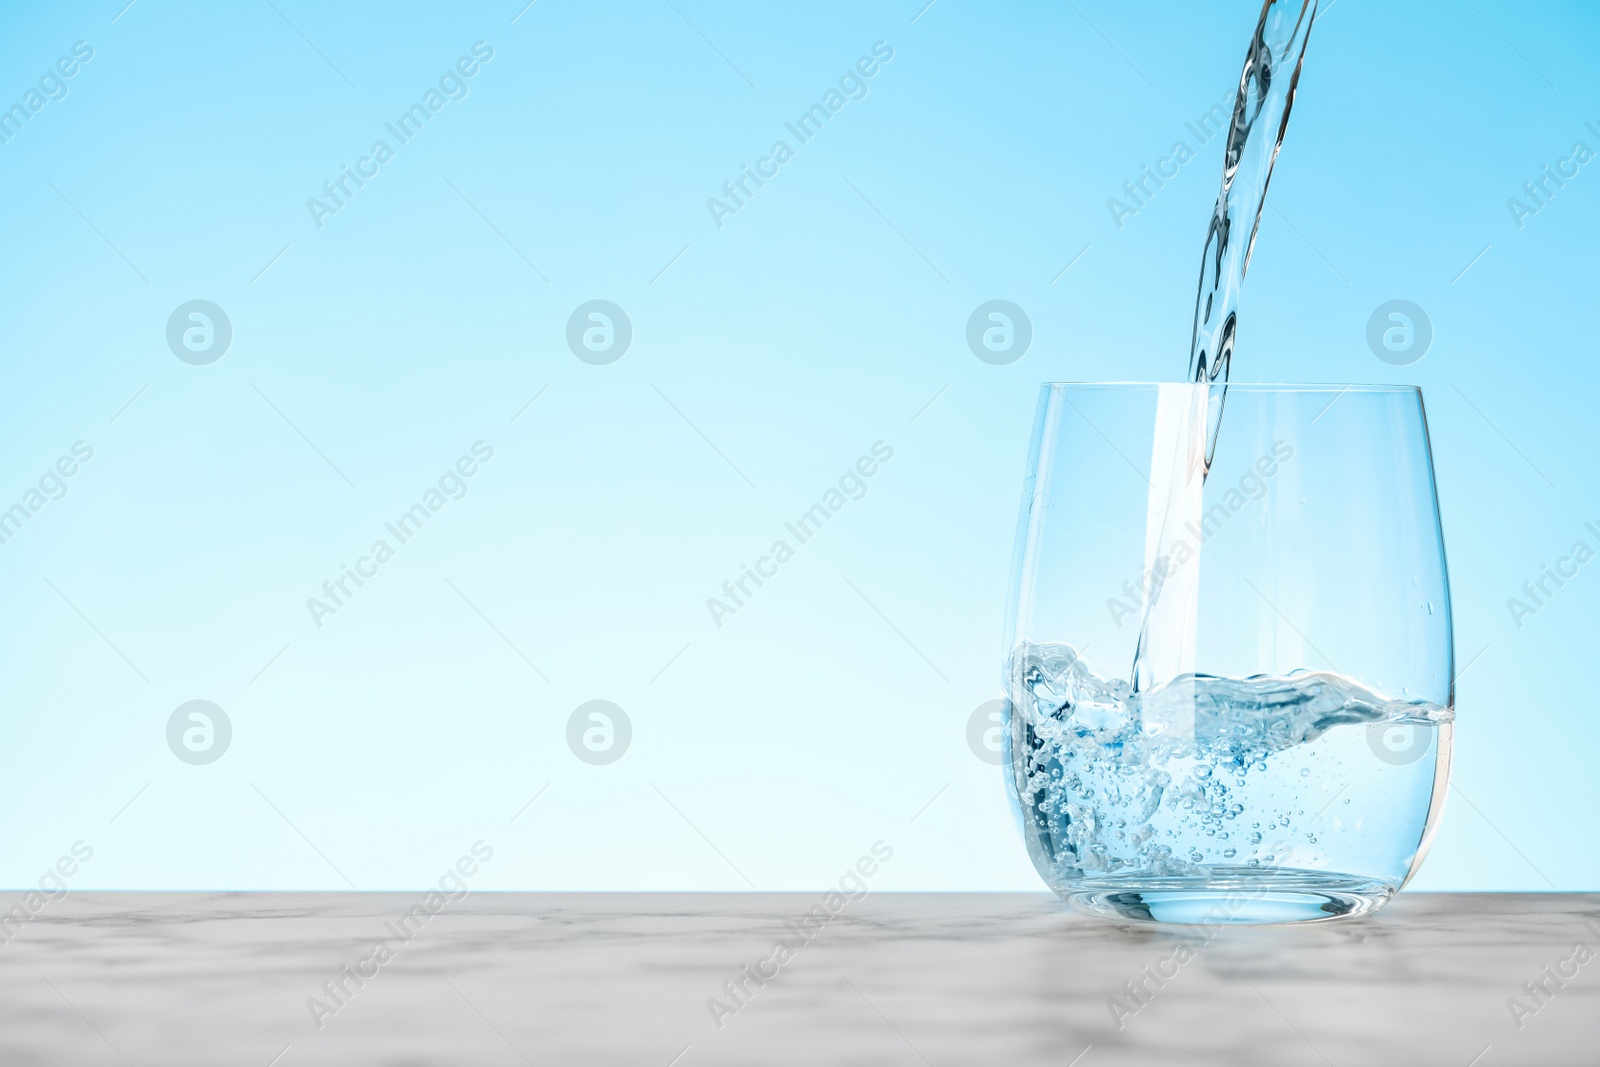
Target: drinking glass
{"x": 1229, "y": 659}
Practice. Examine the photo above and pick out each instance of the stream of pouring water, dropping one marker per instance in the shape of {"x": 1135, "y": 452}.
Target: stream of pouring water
{"x": 1260, "y": 116}
{"x": 1188, "y": 417}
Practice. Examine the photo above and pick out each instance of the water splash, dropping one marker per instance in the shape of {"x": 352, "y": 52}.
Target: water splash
{"x": 1175, "y": 780}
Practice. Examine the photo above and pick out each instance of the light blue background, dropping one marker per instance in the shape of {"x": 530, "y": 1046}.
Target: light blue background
{"x": 831, "y": 711}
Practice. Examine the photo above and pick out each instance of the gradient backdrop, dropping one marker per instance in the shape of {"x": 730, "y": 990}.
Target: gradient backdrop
{"x": 768, "y": 353}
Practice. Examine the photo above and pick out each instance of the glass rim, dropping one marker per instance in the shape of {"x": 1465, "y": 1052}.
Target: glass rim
{"x": 1263, "y": 387}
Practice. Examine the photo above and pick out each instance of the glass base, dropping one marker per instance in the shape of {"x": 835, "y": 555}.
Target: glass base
{"x": 1230, "y": 896}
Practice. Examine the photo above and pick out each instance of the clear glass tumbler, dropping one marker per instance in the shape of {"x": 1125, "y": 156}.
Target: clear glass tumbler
{"x": 1231, "y": 682}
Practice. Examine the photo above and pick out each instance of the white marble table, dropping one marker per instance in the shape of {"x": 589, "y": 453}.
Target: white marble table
{"x": 175, "y": 979}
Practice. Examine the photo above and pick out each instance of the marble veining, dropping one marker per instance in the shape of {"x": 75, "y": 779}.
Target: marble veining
{"x": 211, "y": 979}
